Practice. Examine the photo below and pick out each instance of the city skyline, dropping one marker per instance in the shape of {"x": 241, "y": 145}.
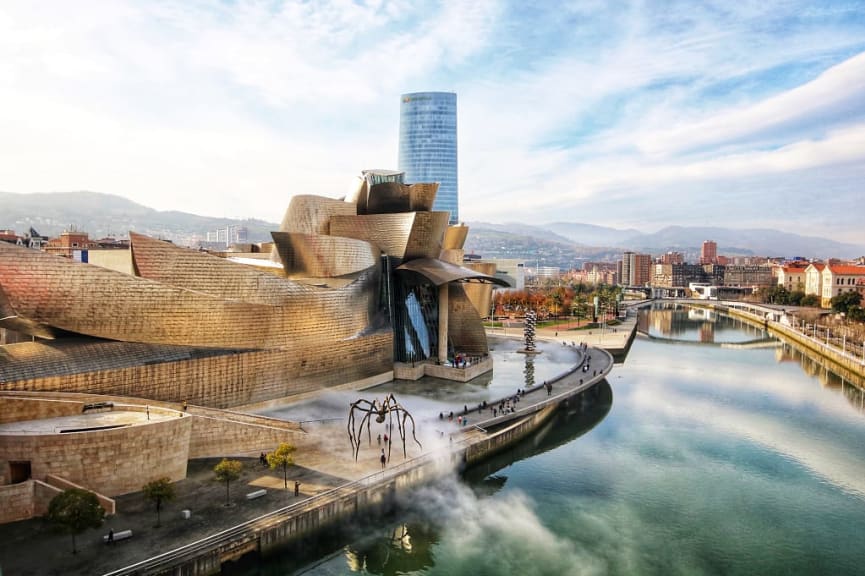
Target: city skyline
{"x": 622, "y": 115}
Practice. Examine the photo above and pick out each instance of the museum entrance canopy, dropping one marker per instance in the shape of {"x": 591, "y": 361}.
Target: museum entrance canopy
{"x": 439, "y": 272}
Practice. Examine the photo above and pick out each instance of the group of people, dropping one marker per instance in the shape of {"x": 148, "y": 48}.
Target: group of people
{"x": 459, "y": 361}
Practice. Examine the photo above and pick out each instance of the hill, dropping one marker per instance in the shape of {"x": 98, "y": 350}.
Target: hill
{"x": 103, "y": 215}
{"x": 562, "y": 244}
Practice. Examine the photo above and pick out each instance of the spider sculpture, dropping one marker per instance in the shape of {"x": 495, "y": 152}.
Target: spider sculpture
{"x": 381, "y": 411}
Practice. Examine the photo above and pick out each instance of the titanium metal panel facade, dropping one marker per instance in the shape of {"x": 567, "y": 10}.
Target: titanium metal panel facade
{"x": 428, "y": 145}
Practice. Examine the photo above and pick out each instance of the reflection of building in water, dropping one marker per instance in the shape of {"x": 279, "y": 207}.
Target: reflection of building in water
{"x": 707, "y": 332}
{"x": 815, "y": 368}
{"x": 406, "y": 549}
{"x": 703, "y": 315}
{"x": 662, "y": 321}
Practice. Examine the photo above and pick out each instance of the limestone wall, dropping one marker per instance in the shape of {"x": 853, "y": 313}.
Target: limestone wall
{"x": 114, "y": 461}
{"x": 32, "y": 498}
{"x": 17, "y": 501}
{"x": 16, "y": 409}
{"x": 215, "y": 437}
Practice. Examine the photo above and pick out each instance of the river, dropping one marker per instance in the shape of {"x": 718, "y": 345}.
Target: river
{"x": 697, "y": 457}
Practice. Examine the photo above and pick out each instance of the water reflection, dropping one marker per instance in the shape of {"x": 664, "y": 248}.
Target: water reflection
{"x": 406, "y": 548}
{"x": 850, "y": 387}
{"x": 529, "y": 371}
{"x": 687, "y": 324}
{"x": 583, "y": 413}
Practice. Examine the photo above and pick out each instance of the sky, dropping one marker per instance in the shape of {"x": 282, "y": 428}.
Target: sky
{"x": 745, "y": 114}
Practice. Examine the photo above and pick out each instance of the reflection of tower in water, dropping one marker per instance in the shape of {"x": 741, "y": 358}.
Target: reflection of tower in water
{"x": 529, "y": 371}
{"x": 707, "y": 332}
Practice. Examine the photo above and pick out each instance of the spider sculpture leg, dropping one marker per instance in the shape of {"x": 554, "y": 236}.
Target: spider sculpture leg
{"x": 354, "y": 433}
{"x": 408, "y": 416}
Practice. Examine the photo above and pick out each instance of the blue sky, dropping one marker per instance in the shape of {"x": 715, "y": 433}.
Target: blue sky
{"x": 627, "y": 114}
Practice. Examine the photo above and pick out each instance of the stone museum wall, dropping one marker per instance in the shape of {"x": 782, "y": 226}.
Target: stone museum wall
{"x": 113, "y": 461}
{"x": 215, "y": 436}
{"x": 15, "y": 409}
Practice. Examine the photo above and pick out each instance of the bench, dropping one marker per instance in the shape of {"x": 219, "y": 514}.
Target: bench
{"x": 256, "y": 494}
{"x": 119, "y": 535}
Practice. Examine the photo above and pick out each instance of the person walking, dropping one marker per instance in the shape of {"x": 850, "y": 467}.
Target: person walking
{"x": 383, "y": 459}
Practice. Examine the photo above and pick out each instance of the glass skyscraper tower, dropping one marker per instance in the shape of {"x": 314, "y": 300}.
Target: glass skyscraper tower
{"x": 428, "y": 145}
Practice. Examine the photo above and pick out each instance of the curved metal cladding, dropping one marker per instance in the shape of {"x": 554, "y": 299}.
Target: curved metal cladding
{"x": 465, "y": 329}
{"x": 479, "y": 294}
{"x": 388, "y": 198}
{"x": 202, "y": 272}
{"x": 422, "y": 195}
{"x": 316, "y": 256}
{"x": 308, "y": 214}
{"x": 393, "y": 197}
{"x": 455, "y": 237}
{"x": 194, "y": 270}
{"x": 403, "y": 236}
{"x": 357, "y": 194}
{"x": 94, "y": 301}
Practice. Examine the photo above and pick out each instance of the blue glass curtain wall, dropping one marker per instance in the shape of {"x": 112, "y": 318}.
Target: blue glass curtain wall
{"x": 415, "y": 316}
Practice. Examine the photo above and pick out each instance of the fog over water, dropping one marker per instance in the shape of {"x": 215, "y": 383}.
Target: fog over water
{"x": 694, "y": 459}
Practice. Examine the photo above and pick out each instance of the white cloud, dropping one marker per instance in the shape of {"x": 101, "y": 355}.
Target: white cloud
{"x": 199, "y": 106}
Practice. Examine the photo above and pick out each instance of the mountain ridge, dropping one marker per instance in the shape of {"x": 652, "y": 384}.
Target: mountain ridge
{"x": 556, "y": 243}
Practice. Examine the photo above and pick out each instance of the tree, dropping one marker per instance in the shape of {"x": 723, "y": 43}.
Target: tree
{"x": 228, "y": 471}
{"x": 74, "y": 510}
{"x": 846, "y": 300}
{"x": 810, "y": 300}
{"x": 159, "y": 491}
{"x": 795, "y": 298}
{"x": 856, "y": 314}
{"x": 282, "y": 456}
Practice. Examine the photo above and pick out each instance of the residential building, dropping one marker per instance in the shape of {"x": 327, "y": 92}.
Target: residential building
{"x": 625, "y": 275}
{"x": 748, "y": 276}
{"x": 71, "y": 244}
{"x": 428, "y": 145}
{"x": 791, "y": 277}
{"x": 636, "y": 269}
{"x": 672, "y": 258}
{"x": 838, "y": 279}
{"x": 709, "y": 252}
{"x": 814, "y": 278}
{"x": 676, "y": 275}
{"x": 225, "y": 237}
{"x": 641, "y": 270}
{"x": 11, "y": 237}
